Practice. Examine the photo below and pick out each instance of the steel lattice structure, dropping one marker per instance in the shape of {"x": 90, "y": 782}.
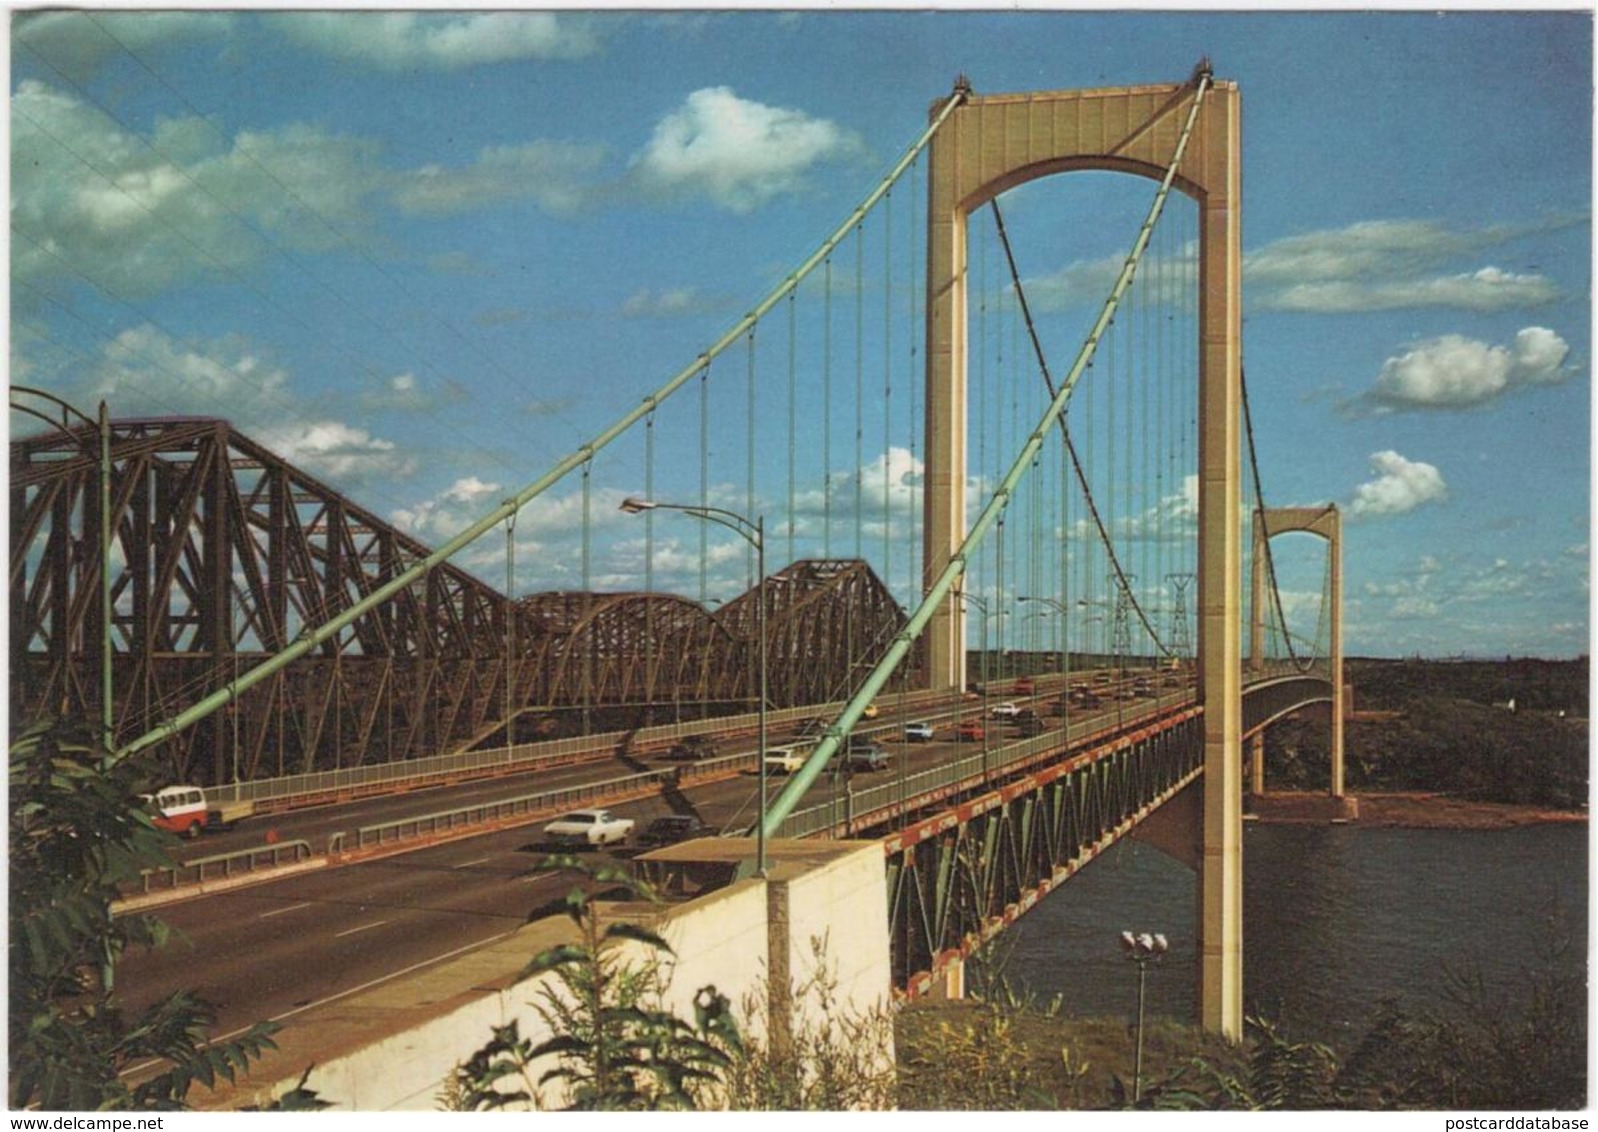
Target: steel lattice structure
{"x": 223, "y": 553}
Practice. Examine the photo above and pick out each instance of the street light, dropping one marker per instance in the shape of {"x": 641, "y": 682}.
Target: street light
{"x": 754, "y": 533}
{"x": 1142, "y": 949}
{"x": 983, "y": 606}
{"x": 1065, "y": 651}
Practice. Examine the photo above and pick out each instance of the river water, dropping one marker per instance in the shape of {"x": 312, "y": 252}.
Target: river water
{"x": 1336, "y": 919}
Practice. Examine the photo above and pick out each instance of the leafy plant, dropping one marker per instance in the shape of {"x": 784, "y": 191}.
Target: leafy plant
{"x": 823, "y": 1056}
{"x": 78, "y": 834}
{"x": 614, "y": 1045}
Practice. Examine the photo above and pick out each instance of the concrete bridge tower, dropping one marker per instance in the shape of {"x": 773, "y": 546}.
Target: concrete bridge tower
{"x": 993, "y": 143}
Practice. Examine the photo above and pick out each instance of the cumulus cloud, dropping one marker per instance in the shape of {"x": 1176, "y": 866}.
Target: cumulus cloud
{"x": 1454, "y": 372}
{"x": 396, "y": 41}
{"x": 79, "y": 44}
{"x": 1400, "y": 486}
{"x": 140, "y": 213}
{"x": 336, "y": 451}
{"x": 449, "y": 512}
{"x": 143, "y": 371}
{"x": 738, "y": 153}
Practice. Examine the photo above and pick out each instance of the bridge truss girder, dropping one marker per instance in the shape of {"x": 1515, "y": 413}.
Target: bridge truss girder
{"x": 957, "y": 880}
{"x": 224, "y": 553}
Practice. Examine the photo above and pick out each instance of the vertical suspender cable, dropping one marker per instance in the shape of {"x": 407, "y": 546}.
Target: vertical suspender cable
{"x": 937, "y": 593}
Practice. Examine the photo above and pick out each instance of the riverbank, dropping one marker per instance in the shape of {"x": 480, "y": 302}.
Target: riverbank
{"x": 1408, "y": 810}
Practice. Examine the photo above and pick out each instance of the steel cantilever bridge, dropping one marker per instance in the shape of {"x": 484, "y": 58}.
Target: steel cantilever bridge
{"x": 948, "y": 515}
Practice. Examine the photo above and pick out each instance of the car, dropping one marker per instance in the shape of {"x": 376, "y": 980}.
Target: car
{"x": 1029, "y": 727}
{"x": 863, "y": 756}
{"x": 1004, "y": 711}
{"x": 588, "y": 828}
{"x": 969, "y": 731}
{"x": 871, "y": 712}
{"x": 694, "y": 747}
{"x": 784, "y": 760}
{"x": 1025, "y": 686}
{"x": 670, "y": 830}
{"x": 918, "y": 732}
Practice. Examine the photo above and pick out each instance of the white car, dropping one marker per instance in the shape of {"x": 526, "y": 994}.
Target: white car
{"x": 784, "y": 760}
{"x": 918, "y": 732}
{"x": 1005, "y": 711}
{"x": 588, "y": 828}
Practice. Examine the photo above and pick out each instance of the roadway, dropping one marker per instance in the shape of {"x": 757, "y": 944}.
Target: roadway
{"x": 272, "y": 949}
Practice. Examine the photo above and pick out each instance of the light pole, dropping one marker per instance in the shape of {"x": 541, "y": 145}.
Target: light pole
{"x": 1064, "y": 611}
{"x": 1142, "y": 949}
{"x": 983, "y": 606}
{"x": 754, "y": 533}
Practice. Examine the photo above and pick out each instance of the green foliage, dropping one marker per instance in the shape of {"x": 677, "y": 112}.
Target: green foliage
{"x": 824, "y": 1056}
{"x": 78, "y": 835}
{"x": 978, "y": 1061}
{"x": 613, "y": 1045}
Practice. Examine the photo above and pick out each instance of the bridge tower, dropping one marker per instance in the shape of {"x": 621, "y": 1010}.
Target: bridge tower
{"x": 1327, "y": 523}
{"x": 993, "y": 143}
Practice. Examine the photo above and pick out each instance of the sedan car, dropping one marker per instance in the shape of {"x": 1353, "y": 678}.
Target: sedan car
{"x": 866, "y": 756}
{"x": 918, "y": 732}
{"x": 969, "y": 732}
{"x": 670, "y": 830}
{"x": 1004, "y": 711}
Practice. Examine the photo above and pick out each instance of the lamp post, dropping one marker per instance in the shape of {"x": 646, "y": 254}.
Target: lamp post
{"x": 754, "y": 533}
{"x": 1142, "y": 949}
{"x": 1065, "y": 650}
{"x": 983, "y": 606}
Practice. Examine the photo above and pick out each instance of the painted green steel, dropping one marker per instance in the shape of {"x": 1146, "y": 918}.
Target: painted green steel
{"x": 311, "y": 638}
{"x": 801, "y": 781}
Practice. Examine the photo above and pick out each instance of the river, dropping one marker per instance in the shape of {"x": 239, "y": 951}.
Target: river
{"x": 1336, "y": 919}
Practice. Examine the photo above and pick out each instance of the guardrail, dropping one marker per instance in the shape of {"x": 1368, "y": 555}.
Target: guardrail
{"x": 513, "y": 759}
{"x": 227, "y": 864}
{"x": 482, "y": 813}
{"x": 843, "y": 809}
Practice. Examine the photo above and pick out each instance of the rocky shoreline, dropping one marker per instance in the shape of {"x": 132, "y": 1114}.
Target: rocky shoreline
{"x": 1401, "y": 809}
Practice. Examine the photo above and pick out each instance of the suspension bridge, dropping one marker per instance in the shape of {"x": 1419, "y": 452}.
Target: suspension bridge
{"x": 882, "y": 490}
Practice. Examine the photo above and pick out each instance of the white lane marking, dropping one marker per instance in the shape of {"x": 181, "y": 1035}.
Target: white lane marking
{"x": 479, "y": 861}
{"x": 377, "y": 982}
{"x": 280, "y": 911}
{"x": 362, "y": 928}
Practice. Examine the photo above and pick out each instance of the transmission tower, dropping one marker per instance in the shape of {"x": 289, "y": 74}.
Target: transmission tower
{"x": 1121, "y": 626}
{"x": 1179, "y": 636}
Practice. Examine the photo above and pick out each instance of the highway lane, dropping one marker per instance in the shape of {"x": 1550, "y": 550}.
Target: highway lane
{"x": 268, "y": 950}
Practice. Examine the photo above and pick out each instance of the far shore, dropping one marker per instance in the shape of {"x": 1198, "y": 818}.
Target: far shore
{"x": 1408, "y": 810}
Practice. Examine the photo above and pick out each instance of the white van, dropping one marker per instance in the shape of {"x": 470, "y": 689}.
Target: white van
{"x": 180, "y": 809}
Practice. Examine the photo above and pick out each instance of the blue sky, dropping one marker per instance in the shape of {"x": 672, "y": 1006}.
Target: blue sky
{"x": 425, "y": 256}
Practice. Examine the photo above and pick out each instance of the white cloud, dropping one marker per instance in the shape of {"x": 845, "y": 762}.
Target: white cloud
{"x": 447, "y": 513}
{"x": 665, "y": 304}
{"x": 1401, "y": 485}
{"x": 1489, "y": 289}
{"x": 1388, "y": 265}
{"x": 144, "y": 372}
{"x": 741, "y": 154}
{"x": 336, "y": 451}
{"x": 1454, "y": 372}
{"x": 405, "y": 393}
{"x": 396, "y": 41}
{"x": 137, "y": 214}
{"x": 557, "y": 175}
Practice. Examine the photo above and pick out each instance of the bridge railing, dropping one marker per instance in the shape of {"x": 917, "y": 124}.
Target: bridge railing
{"x": 223, "y": 865}
{"x": 521, "y": 757}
